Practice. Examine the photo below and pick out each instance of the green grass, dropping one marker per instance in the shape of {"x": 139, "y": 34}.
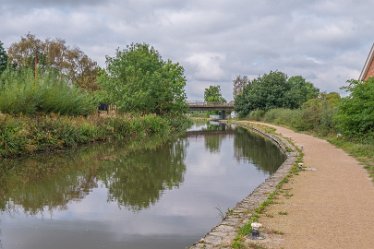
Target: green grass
{"x": 362, "y": 152}
{"x": 20, "y": 93}
{"x": 246, "y": 229}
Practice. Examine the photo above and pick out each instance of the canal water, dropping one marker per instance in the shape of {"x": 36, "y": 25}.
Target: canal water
{"x": 140, "y": 195}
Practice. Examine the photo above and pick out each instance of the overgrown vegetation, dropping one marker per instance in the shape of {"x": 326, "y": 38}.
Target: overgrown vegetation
{"x": 316, "y": 115}
{"x": 48, "y": 92}
{"x": 21, "y": 93}
{"x": 27, "y": 135}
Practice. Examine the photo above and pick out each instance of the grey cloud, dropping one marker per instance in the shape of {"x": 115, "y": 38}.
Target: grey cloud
{"x": 325, "y": 41}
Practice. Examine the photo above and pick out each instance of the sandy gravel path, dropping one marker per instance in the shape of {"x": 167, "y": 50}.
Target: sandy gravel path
{"x": 331, "y": 207}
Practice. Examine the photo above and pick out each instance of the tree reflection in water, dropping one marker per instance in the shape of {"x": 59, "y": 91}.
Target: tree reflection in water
{"x": 134, "y": 173}
{"x": 257, "y": 150}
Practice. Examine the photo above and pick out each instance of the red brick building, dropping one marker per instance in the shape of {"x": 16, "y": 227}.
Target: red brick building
{"x": 368, "y": 70}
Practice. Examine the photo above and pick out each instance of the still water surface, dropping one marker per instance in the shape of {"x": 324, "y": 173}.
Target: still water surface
{"x": 133, "y": 196}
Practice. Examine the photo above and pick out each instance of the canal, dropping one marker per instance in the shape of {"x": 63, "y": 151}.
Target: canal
{"x": 139, "y": 195}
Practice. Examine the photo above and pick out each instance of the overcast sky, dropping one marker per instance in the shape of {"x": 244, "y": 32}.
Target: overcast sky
{"x": 325, "y": 41}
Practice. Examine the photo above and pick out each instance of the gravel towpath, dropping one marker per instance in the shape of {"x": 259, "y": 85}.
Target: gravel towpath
{"x": 330, "y": 205}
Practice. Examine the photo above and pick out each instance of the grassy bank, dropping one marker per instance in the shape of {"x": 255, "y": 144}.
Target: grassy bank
{"x": 363, "y": 152}
{"x": 21, "y": 135}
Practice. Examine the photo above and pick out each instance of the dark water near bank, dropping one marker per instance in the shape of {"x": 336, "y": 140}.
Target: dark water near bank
{"x": 133, "y": 196}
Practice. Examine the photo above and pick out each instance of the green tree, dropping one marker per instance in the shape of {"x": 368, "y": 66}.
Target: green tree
{"x": 138, "y": 79}
{"x": 355, "y": 115}
{"x": 300, "y": 91}
{"x": 274, "y": 90}
{"x": 213, "y": 94}
{"x": 3, "y": 58}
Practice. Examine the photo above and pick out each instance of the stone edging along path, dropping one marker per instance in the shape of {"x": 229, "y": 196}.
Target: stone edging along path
{"x": 222, "y": 235}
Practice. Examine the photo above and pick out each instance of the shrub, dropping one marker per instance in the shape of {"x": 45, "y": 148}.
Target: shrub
{"x": 257, "y": 115}
{"x": 355, "y": 116}
{"x": 288, "y": 117}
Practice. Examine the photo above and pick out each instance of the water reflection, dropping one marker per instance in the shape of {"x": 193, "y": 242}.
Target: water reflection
{"x": 255, "y": 149}
{"x": 136, "y": 181}
{"x": 147, "y": 194}
{"x": 44, "y": 183}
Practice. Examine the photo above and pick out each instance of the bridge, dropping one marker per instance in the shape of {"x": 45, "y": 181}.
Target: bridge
{"x": 204, "y": 106}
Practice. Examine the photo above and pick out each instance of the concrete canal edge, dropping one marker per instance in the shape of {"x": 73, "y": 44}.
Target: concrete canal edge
{"x": 222, "y": 235}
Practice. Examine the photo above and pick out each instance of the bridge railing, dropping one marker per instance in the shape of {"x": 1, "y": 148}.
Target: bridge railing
{"x": 210, "y": 104}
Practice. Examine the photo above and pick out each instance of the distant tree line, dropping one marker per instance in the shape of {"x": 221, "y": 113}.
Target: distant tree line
{"x": 272, "y": 90}
{"x": 293, "y": 101}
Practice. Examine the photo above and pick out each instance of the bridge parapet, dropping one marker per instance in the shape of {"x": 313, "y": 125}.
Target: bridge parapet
{"x": 204, "y": 106}
{"x": 210, "y": 104}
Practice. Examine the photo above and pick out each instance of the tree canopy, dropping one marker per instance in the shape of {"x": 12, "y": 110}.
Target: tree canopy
{"x": 138, "y": 79}
{"x": 55, "y": 55}
{"x": 3, "y": 58}
{"x": 213, "y": 94}
{"x": 274, "y": 90}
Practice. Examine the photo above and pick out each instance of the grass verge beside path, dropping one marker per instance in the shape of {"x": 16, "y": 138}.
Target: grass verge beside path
{"x": 364, "y": 153}
{"x": 260, "y": 210}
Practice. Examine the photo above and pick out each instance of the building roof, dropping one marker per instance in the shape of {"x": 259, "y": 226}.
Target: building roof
{"x": 368, "y": 62}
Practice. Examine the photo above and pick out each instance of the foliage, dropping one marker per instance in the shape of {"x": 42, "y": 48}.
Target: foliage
{"x": 3, "y": 58}
{"x": 300, "y": 91}
{"x": 26, "y": 135}
{"x": 213, "y": 94}
{"x": 316, "y": 114}
{"x": 284, "y": 116}
{"x": 137, "y": 79}
{"x": 21, "y": 93}
{"x": 274, "y": 90}
{"x": 355, "y": 116}
{"x": 55, "y": 55}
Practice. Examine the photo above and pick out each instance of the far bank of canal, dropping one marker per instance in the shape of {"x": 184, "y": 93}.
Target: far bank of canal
{"x": 134, "y": 195}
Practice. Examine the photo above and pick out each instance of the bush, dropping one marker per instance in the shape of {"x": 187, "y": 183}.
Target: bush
{"x": 20, "y": 93}
{"x": 315, "y": 115}
{"x": 288, "y": 117}
{"x": 355, "y": 116}
{"x": 257, "y": 115}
